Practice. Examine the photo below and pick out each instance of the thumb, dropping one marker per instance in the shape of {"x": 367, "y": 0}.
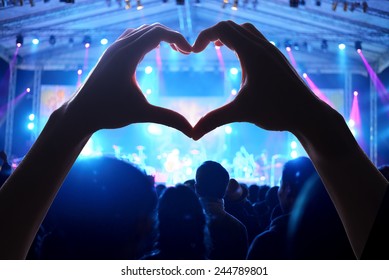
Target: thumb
{"x": 218, "y": 117}
{"x": 169, "y": 118}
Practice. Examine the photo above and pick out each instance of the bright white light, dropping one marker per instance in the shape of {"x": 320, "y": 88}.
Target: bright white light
{"x": 355, "y": 93}
{"x": 341, "y": 46}
{"x": 104, "y": 41}
{"x": 228, "y": 129}
{"x": 353, "y": 131}
{"x": 154, "y": 129}
{"x": 18, "y": 45}
{"x": 217, "y": 47}
{"x": 28, "y": 89}
{"x": 305, "y": 75}
{"x": 30, "y": 126}
{"x": 273, "y": 43}
{"x": 79, "y": 72}
{"x": 293, "y": 144}
{"x": 359, "y": 50}
{"x": 148, "y": 69}
{"x": 288, "y": 49}
{"x": 35, "y": 41}
{"x": 234, "y": 92}
{"x": 294, "y": 154}
{"x": 87, "y": 45}
{"x": 31, "y": 117}
{"x": 148, "y": 91}
{"x": 188, "y": 171}
{"x": 262, "y": 178}
{"x": 234, "y": 71}
{"x": 351, "y": 123}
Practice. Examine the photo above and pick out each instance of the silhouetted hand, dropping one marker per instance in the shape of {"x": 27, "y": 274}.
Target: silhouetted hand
{"x": 111, "y": 97}
{"x": 272, "y": 95}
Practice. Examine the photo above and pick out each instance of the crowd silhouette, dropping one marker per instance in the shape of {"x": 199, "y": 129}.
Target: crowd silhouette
{"x": 333, "y": 204}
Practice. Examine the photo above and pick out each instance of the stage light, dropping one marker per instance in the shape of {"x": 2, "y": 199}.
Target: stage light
{"x": 139, "y": 5}
{"x": 364, "y": 6}
{"x": 104, "y": 41}
{"x": 334, "y": 5}
{"x": 30, "y": 125}
{"x": 288, "y": 49}
{"x": 228, "y": 129}
{"x": 358, "y": 46}
{"x": 341, "y": 46}
{"x": 87, "y": 41}
{"x": 293, "y": 145}
{"x": 272, "y": 42}
{"x": 79, "y": 72}
{"x": 234, "y": 71}
{"x": 293, "y": 154}
{"x": 305, "y": 75}
{"x": 154, "y": 129}
{"x": 148, "y": 69}
{"x": 35, "y": 41}
{"x": 294, "y": 3}
{"x": 355, "y": 93}
{"x": 148, "y": 91}
{"x": 296, "y": 46}
{"x": 31, "y": 117}
{"x": 235, "y": 5}
{"x": 234, "y": 92}
{"x": 52, "y": 40}
{"x": 324, "y": 45}
{"x": 351, "y": 123}
{"x": 19, "y": 40}
{"x": 217, "y": 47}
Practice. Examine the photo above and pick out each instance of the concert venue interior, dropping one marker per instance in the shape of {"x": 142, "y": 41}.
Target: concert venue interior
{"x": 340, "y": 48}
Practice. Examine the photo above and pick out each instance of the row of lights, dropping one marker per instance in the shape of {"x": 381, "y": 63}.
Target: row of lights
{"x": 324, "y": 45}
{"x": 52, "y": 40}
{"x": 347, "y": 5}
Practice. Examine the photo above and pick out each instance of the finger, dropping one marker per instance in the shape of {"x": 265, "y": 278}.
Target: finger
{"x": 251, "y": 28}
{"x": 153, "y": 37}
{"x": 223, "y": 32}
{"x": 221, "y": 116}
{"x": 167, "y": 117}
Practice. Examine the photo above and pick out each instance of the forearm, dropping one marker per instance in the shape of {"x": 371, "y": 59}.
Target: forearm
{"x": 27, "y": 195}
{"x": 354, "y": 184}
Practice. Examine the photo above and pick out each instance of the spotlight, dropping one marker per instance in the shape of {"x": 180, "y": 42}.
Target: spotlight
{"x": 293, "y": 145}
{"x": 19, "y": 40}
{"x": 148, "y": 69}
{"x": 296, "y": 46}
{"x": 52, "y": 40}
{"x": 228, "y": 129}
{"x": 293, "y": 154}
{"x": 351, "y": 123}
{"x": 234, "y": 92}
{"x": 358, "y": 46}
{"x": 235, "y": 5}
{"x": 148, "y": 91}
{"x": 334, "y": 5}
{"x": 341, "y": 46}
{"x": 28, "y": 89}
{"x": 87, "y": 41}
{"x": 294, "y": 3}
{"x": 355, "y": 93}
{"x": 31, "y": 117}
{"x": 364, "y": 6}
{"x": 305, "y": 75}
{"x": 30, "y": 126}
{"x": 79, "y": 72}
{"x": 35, "y": 41}
{"x": 324, "y": 45}
{"x": 104, "y": 41}
{"x": 272, "y": 42}
{"x": 288, "y": 49}
{"x": 139, "y": 5}
{"x": 234, "y": 71}
{"x": 288, "y": 45}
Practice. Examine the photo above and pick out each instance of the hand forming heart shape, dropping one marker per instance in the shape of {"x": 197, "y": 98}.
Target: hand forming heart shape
{"x": 272, "y": 95}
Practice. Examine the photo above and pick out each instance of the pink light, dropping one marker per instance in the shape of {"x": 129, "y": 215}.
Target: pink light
{"x": 317, "y": 91}
{"x": 355, "y": 93}
{"x": 291, "y": 57}
{"x": 381, "y": 90}
{"x": 359, "y": 51}
{"x": 79, "y": 72}
{"x": 220, "y": 58}
{"x": 305, "y": 75}
{"x": 87, "y": 45}
{"x": 18, "y": 45}
{"x": 217, "y": 47}
{"x": 355, "y": 123}
{"x": 158, "y": 59}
